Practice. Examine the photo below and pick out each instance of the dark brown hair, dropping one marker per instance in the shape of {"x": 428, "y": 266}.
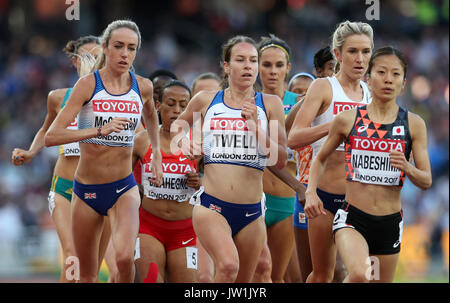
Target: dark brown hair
{"x": 226, "y": 53}
{"x": 386, "y": 51}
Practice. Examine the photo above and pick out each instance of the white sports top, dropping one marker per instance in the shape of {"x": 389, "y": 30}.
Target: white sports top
{"x": 339, "y": 103}
{"x": 103, "y": 107}
{"x": 226, "y": 138}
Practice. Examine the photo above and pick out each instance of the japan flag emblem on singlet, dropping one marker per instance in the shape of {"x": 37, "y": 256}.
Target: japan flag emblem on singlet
{"x": 398, "y": 130}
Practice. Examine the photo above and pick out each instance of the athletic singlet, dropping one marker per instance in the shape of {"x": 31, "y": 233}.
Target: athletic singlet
{"x": 367, "y": 149}
{"x": 339, "y": 103}
{"x": 226, "y": 139}
{"x": 289, "y": 100}
{"x": 304, "y": 158}
{"x": 103, "y": 107}
{"x": 70, "y": 149}
{"x": 174, "y": 185}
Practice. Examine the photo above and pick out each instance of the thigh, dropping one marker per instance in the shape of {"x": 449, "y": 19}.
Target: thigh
{"x": 353, "y": 249}
{"x": 87, "y": 226}
{"x": 249, "y": 243}
{"x": 280, "y": 238}
{"x": 124, "y": 220}
{"x": 151, "y": 251}
{"x": 383, "y": 268}
{"x": 205, "y": 268}
{"x": 322, "y": 248}
{"x": 177, "y": 270}
{"x": 213, "y": 231}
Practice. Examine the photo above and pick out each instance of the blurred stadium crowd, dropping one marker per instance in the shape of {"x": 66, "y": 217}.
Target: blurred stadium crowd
{"x": 185, "y": 36}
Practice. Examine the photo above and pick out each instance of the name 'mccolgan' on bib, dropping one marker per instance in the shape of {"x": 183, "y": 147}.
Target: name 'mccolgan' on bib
{"x": 226, "y": 137}
{"x": 368, "y": 145}
{"x": 102, "y": 107}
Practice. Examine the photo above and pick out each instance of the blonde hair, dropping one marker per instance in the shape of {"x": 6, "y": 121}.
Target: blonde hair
{"x": 106, "y": 36}
{"x": 346, "y": 29}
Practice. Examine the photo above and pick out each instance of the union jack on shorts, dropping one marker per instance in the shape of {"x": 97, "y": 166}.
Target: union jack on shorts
{"x": 90, "y": 195}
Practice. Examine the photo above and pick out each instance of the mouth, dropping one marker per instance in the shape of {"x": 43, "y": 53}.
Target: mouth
{"x": 359, "y": 68}
{"x": 387, "y": 90}
{"x": 247, "y": 75}
{"x": 123, "y": 63}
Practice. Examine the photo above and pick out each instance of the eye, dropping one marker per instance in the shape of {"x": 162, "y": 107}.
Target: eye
{"x": 380, "y": 72}
{"x": 118, "y": 46}
{"x": 266, "y": 64}
{"x": 281, "y": 64}
{"x": 132, "y": 49}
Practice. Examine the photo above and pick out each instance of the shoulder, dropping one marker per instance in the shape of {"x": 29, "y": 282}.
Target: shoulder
{"x": 144, "y": 83}
{"x": 320, "y": 88}
{"x": 416, "y": 122}
{"x": 203, "y": 98}
{"x": 56, "y": 96}
{"x": 272, "y": 100}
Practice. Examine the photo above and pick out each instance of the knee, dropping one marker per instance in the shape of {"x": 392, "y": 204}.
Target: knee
{"x": 124, "y": 261}
{"x": 228, "y": 269}
{"x": 320, "y": 277}
{"x": 264, "y": 267}
{"x": 357, "y": 276}
{"x": 204, "y": 277}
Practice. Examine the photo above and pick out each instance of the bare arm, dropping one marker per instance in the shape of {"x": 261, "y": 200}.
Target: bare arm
{"x": 151, "y": 122}
{"x": 420, "y": 174}
{"x": 301, "y": 133}
{"x": 20, "y": 156}
{"x": 339, "y": 129}
{"x": 285, "y": 176}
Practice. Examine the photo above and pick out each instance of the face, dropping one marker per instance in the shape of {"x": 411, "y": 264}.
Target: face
{"x": 91, "y": 48}
{"x": 206, "y": 84}
{"x": 355, "y": 55}
{"x": 174, "y": 101}
{"x": 327, "y": 70}
{"x": 121, "y": 49}
{"x": 300, "y": 85}
{"x": 242, "y": 69}
{"x": 158, "y": 83}
{"x": 273, "y": 68}
{"x": 386, "y": 79}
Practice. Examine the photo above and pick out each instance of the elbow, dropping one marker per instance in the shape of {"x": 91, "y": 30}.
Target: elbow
{"x": 49, "y": 140}
{"x": 427, "y": 184}
{"x": 291, "y": 141}
{"x": 282, "y": 160}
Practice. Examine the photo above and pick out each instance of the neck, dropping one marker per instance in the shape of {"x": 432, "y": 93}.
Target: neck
{"x": 278, "y": 91}
{"x": 237, "y": 94}
{"x": 383, "y": 109}
{"x": 346, "y": 81}
{"x": 164, "y": 131}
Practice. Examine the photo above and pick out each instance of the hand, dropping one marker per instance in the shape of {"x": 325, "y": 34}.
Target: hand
{"x": 250, "y": 112}
{"x": 191, "y": 149}
{"x": 193, "y": 179}
{"x": 116, "y": 125}
{"x": 20, "y": 156}
{"x": 156, "y": 166}
{"x": 313, "y": 205}
{"x": 398, "y": 160}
